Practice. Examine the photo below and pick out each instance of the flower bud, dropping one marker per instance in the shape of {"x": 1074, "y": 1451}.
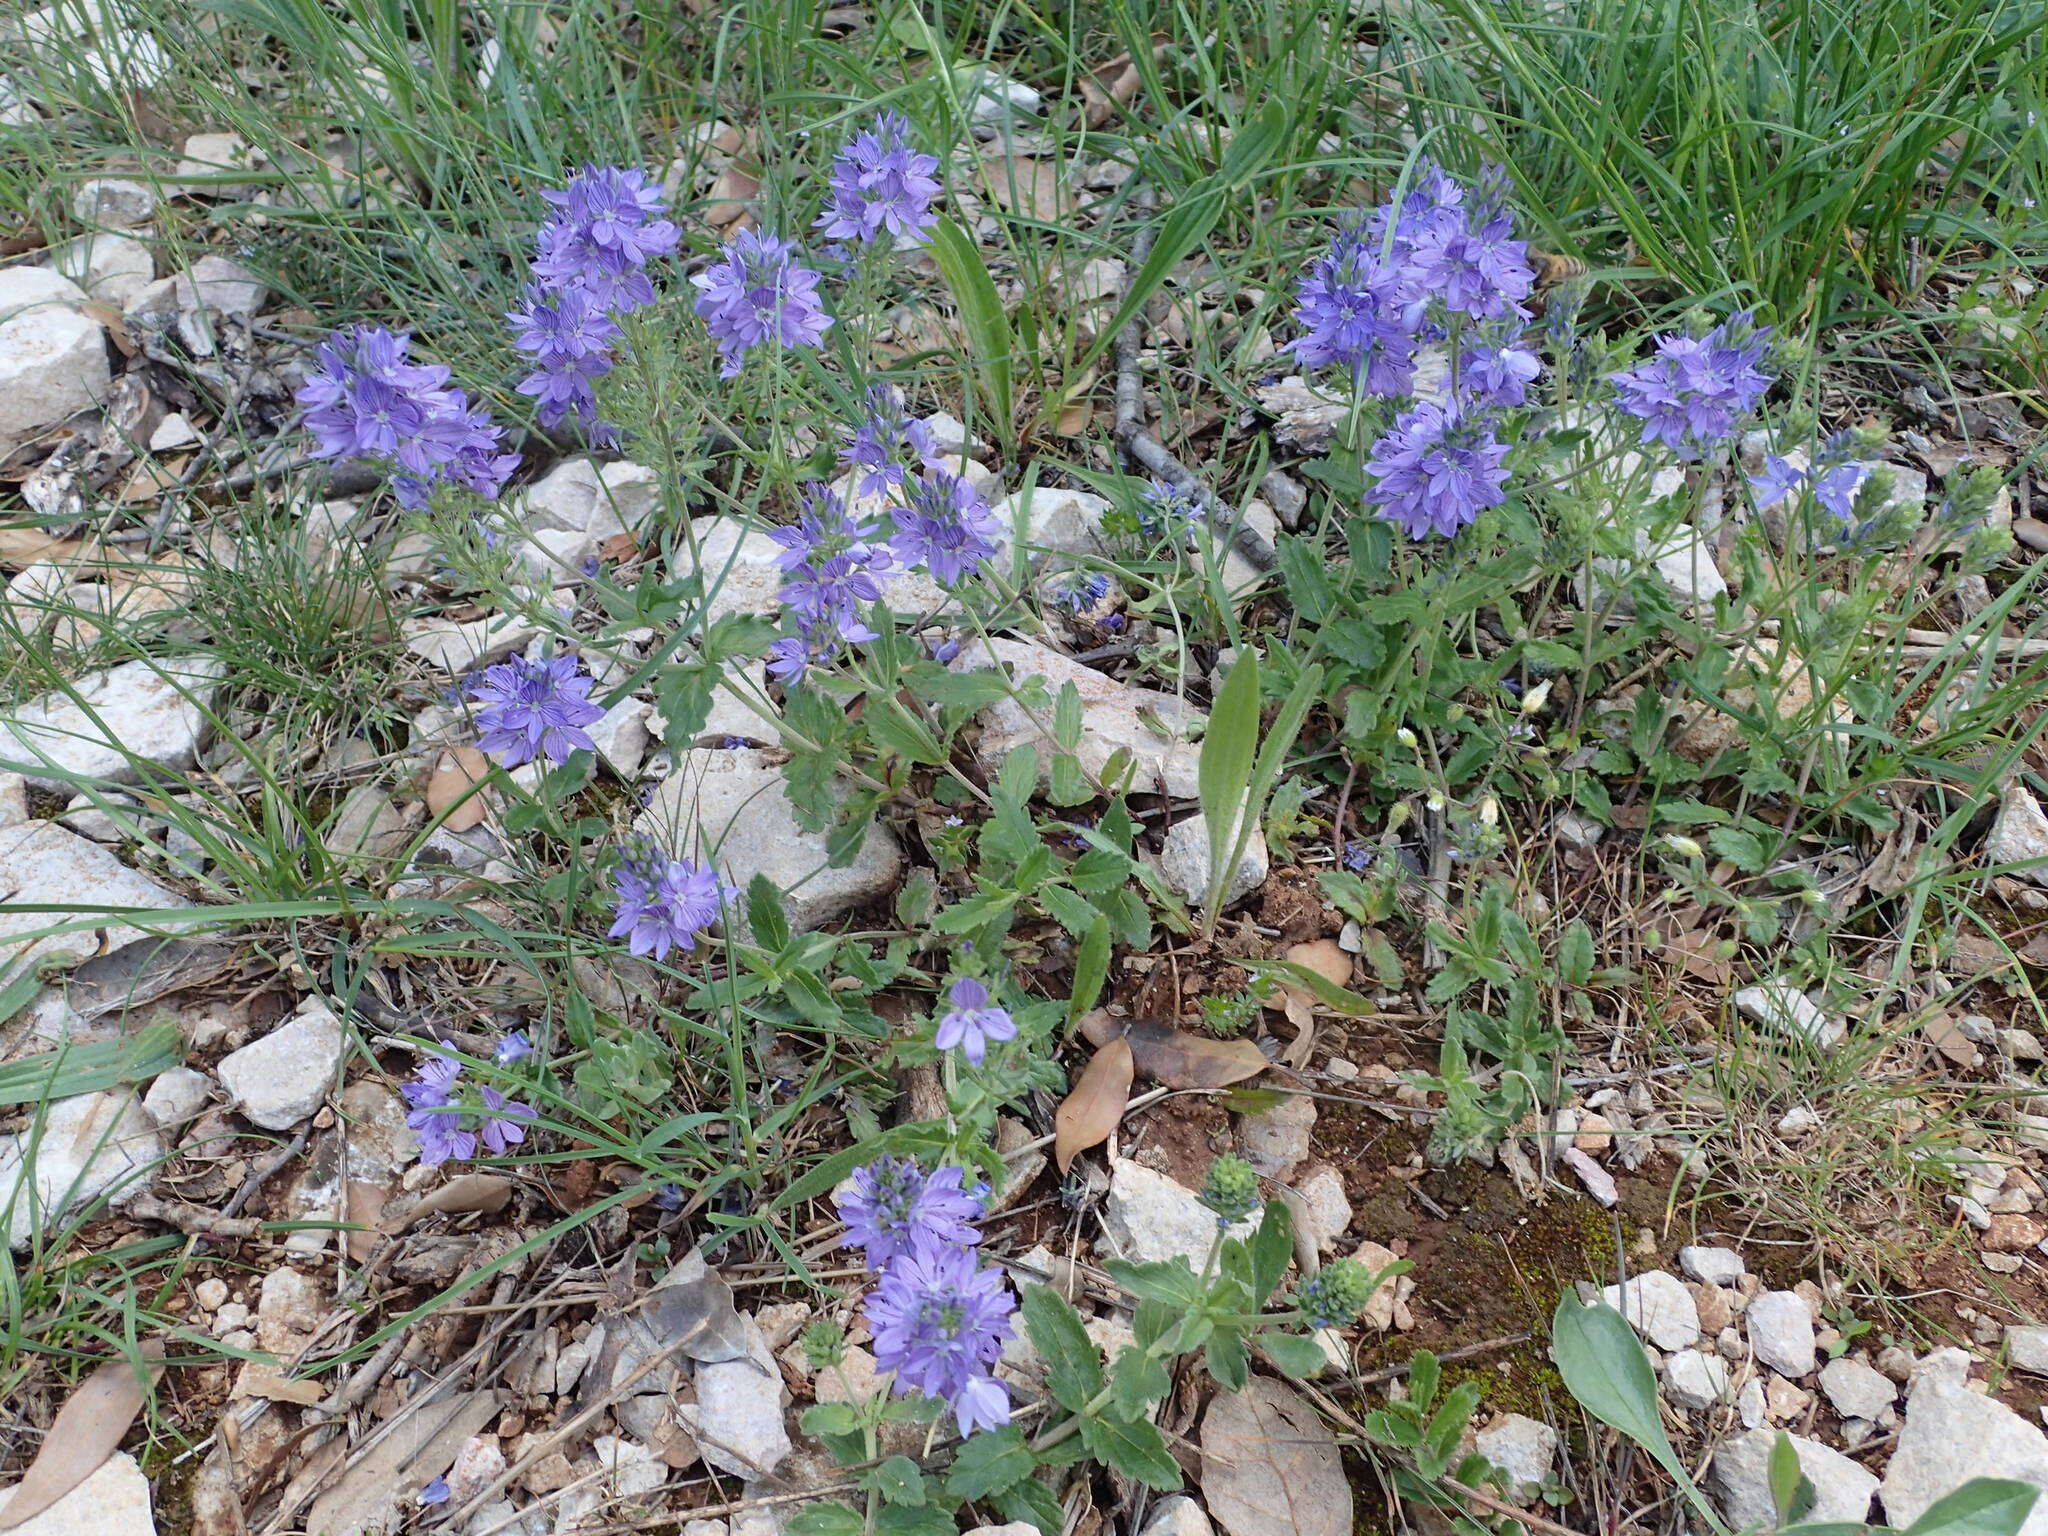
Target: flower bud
{"x": 1232, "y": 1189}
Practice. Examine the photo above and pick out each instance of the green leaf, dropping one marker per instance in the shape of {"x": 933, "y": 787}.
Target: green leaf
{"x": 1225, "y": 1355}
{"x": 1140, "y": 1379}
{"x": 1575, "y": 954}
{"x": 910, "y": 1520}
{"x": 1745, "y": 850}
{"x": 1984, "y": 1506}
{"x": 1033, "y": 1502}
{"x": 830, "y": 1419}
{"x": 1792, "y": 1493}
{"x": 1137, "y": 1450}
{"x": 75, "y": 1069}
{"x": 770, "y": 924}
{"x": 981, "y": 312}
{"x": 1091, "y": 969}
{"x": 898, "y": 1481}
{"x": 1604, "y": 1367}
{"x": 1272, "y": 1246}
{"x": 1224, "y": 774}
{"x": 1073, "y": 1370}
{"x": 1167, "y": 1280}
{"x": 1297, "y": 1354}
{"x": 830, "y": 1518}
{"x": 988, "y": 1463}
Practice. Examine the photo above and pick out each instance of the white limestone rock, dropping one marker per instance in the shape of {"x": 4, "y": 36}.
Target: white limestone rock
{"x": 1951, "y": 1435}
{"x": 1856, "y": 1390}
{"x": 1151, "y": 1217}
{"x": 284, "y": 1077}
{"x": 83, "y": 1147}
{"x": 1695, "y": 1380}
{"x": 1781, "y": 1007}
{"x": 1659, "y": 1307}
{"x": 139, "y": 712}
{"x": 108, "y": 268}
{"x": 1741, "y": 1478}
{"x": 1184, "y": 860}
{"x": 737, "y": 1419}
{"x": 734, "y": 808}
{"x": 458, "y": 648}
{"x": 1710, "y": 1266}
{"x": 1781, "y": 1332}
{"x": 1523, "y": 1448}
{"x": 42, "y": 863}
{"x": 2020, "y": 835}
{"x": 1154, "y": 730}
{"x": 113, "y": 1501}
{"x": 53, "y": 357}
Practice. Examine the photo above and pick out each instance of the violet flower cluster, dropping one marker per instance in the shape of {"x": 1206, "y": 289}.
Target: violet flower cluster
{"x": 757, "y": 294}
{"x": 834, "y": 561}
{"x": 939, "y": 1316}
{"x": 664, "y": 903}
{"x": 366, "y": 400}
{"x": 450, "y": 1129}
{"x": 534, "y": 709}
{"x": 1691, "y": 395}
{"x": 590, "y": 268}
{"x": 880, "y": 185}
{"x": 1438, "y": 267}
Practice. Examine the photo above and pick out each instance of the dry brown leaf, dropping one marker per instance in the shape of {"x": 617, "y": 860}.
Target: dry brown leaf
{"x": 1096, "y": 1106}
{"x": 486, "y": 1192}
{"x": 619, "y": 548}
{"x": 1175, "y": 1059}
{"x": 364, "y": 1209}
{"x": 87, "y": 1430}
{"x": 152, "y": 477}
{"x": 262, "y": 1381}
{"x": 729, "y": 197}
{"x": 459, "y": 770}
{"x": 1270, "y": 1466}
{"x": 23, "y": 547}
{"x": 1947, "y": 1037}
{"x": 116, "y": 324}
{"x": 1323, "y": 956}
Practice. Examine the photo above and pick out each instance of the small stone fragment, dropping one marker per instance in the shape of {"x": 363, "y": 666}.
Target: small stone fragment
{"x": 1781, "y": 1007}
{"x": 1856, "y": 1390}
{"x": 1523, "y": 1448}
{"x": 1781, "y": 1332}
{"x": 281, "y": 1079}
{"x": 1696, "y": 1381}
{"x": 1741, "y": 1478}
{"x": 1711, "y": 1266}
{"x": 2020, "y": 835}
{"x": 1658, "y": 1306}
{"x": 1153, "y": 1218}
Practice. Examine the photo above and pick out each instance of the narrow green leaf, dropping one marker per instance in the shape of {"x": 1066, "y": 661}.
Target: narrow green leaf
{"x": 1224, "y": 774}
{"x": 91, "y": 1068}
{"x": 981, "y": 312}
{"x": 1792, "y": 1492}
{"x": 1984, "y": 1506}
{"x": 1091, "y": 969}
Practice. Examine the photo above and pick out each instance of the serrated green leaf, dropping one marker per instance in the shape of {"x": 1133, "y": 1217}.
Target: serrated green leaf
{"x": 1136, "y": 1449}
{"x": 898, "y": 1481}
{"x": 829, "y": 1518}
{"x": 1138, "y": 1380}
{"x": 1073, "y": 1370}
{"x": 1224, "y": 1354}
{"x": 1033, "y": 1502}
{"x": 989, "y": 1462}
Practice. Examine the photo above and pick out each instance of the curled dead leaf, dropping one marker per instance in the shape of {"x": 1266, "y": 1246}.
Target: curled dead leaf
{"x": 1173, "y": 1058}
{"x": 458, "y": 772}
{"x": 485, "y": 1192}
{"x": 1096, "y": 1106}
{"x": 1270, "y": 1466}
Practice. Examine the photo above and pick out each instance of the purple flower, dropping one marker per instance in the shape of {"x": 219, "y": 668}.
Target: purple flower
{"x": 503, "y": 1122}
{"x": 535, "y": 709}
{"x": 1497, "y": 376}
{"x": 365, "y": 400}
{"x": 1166, "y": 510}
{"x": 664, "y": 903}
{"x": 889, "y": 447}
{"x": 1436, "y": 471}
{"x": 515, "y": 1047}
{"x": 1474, "y": 270}
{"x": 1691, "y": 394}
{"x": 939, "y": 1321}
{"x": 879, "y": 183}
{"x": 435, "y": 1118}
{"x": 570, "y": 339}
{"x": 1837, "y": 487}
{"x": 792, "y": 656}
{"x": 759, "y": 293}
{"x": 435, "y": 1492}
{"x": 433, "y": 1083}
{"x": 1358, "y": 858}
{"x": 605, "y": 230}
{"x": 588, "y": 269}
{"x": 894, "y": 1203}
{"x": 973, "y": 1022}
{"x": 826, "y": 529}
{"x": 1352, "y": 306}
{"x": 944, "y": 525}
{"x": 1780, "y": 478}
{"x": 1081, "y": 591}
